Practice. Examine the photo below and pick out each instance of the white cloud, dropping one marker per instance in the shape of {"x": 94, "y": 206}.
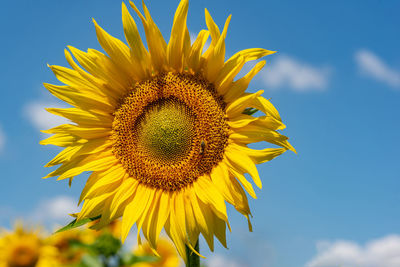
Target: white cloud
{"x": 298, "y": 76}
{"x": 2, "y": 139}
{"x": 40, "y": 118}
{"x": 383, "y": 252}
{"x": 217, "y": 260}
{"x": 55, "y": 210}
{"x": 371, "y": 65}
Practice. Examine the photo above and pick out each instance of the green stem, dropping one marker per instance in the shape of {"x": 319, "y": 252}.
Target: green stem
{"x": 193, "y": 260}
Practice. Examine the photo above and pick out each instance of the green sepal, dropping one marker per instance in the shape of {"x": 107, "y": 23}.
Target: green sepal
{"x": 75, "y": 224}
{"x": 249, "y": 111}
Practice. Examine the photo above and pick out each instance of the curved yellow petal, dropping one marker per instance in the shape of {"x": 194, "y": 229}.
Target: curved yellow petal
{"x": 242, "y": 163}
{"x": 155, "y": 41}
{"x": 134, "y": 209}
{"x": 61, "y": 140}
{"x": 118, "y": 52}
{"x": 138, "y": 52}
{"x": 255, "y": 133}
{"x": 125, "y": 192}
{"x": 175, "y": 49}
{"x": 236, "y": 107}
{"x": 242, "y": 179}
{"x": 260, "y": 156}
{"x": 90, "y": 147}
{"x": 194, "y": 59}
{"x": 239, "y": 87}
{"x": 87, "y": 133}
{"x": 215, "y": 60}
{"x": 207, "y": 193}
{"x": 79, "y": 99}
{"x": 101, "y": 66}
{"x": 82, "y": 117}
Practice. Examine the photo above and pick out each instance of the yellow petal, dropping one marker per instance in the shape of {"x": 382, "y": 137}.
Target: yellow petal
{"x": 236, "y": 107}
{"x": 255, "y": 133}
{"x": 90, "y": 147}
{"x": 82, "y": 117}
{"x": 216, "y": 58}
{"x": 207, "y": 193}
{"x": 239, "y": 87}
{"x": 79, "y": 99}
{"x": 125, "y": 192}
{"x": 155, "y": 41}
{"x": 233, "y": 66}
{"x": 176, "y": 42}
{"x": 150, "y": 219}
{"x": 260, "y": 156}
{"x": 94, "y": 162}
{"x": 118, "y": 52}
{"x": 138, "y": 52}
{"x": 93, "y": 207}
{"x": 246, "y": 184}
{"x": 243, "y": 163}
{"x": 202, "y": 223}
{"x": 104, "y": 181}
{"x": 101, "y": 66}
{"x": 265, "y": 106}
{"x": 228, "y": 73}
{"x": 134, "y": 210}
{"x": 214, "y": 32}
{"x": 193, "y": 231}
{"x": 87, "y": 133}
{"x": 194, "y": 59}
{"x": 62, "y": 140}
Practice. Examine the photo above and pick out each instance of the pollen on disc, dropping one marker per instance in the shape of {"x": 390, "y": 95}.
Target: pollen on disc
{"x": 165, "y": 130}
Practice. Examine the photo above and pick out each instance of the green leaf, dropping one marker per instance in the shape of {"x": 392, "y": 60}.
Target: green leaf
{"x": 249, "y": 111}
{"x": 90, "y": 261}
{"x": 106, "y": 245}
{"x": 75, "y": 224}
{"x": 129, "y": 259}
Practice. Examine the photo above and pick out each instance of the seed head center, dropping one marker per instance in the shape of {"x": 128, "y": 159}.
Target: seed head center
{"x": 166, "y": 130}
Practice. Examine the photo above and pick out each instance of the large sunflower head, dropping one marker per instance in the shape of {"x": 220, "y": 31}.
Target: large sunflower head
{"x": 164, "y": 130}
{"x": 25, "y": 248}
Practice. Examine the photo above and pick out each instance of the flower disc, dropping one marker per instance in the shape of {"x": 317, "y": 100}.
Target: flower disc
{"x": 170, "y": 130}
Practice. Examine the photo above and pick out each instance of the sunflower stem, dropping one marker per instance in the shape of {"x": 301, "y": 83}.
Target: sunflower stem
{"x": 193, "y": 260}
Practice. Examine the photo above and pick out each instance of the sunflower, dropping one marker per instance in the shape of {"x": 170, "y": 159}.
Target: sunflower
{"x": 23, "y": 248}
{"x": 165, "y": 251}
{"x": 164, "y": 131}
{"x": 67, "y": 255}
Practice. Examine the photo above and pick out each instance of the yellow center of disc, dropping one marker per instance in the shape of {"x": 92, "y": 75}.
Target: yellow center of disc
{"x": 166, "y": 130}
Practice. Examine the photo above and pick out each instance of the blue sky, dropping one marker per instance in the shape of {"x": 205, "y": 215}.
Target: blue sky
{"x": 335, "y": 81}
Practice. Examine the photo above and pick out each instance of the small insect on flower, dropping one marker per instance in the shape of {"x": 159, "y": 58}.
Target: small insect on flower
{"x": 202, "y": 147}
{"x": 163, "y": 130}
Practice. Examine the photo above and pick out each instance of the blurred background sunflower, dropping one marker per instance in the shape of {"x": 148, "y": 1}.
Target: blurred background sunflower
{"x": 24, "y": 247}
{"x": 336, "y": 72}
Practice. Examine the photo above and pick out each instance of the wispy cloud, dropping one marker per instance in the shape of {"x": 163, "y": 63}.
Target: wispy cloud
{"x": 40, "y": 118}
{"x": 285, "y": 71}
{"x": 373, "y": 66}
{"x": 383, "y": 252}
{"x": 54, "y": 210}
{"x": 217, "y": 260}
